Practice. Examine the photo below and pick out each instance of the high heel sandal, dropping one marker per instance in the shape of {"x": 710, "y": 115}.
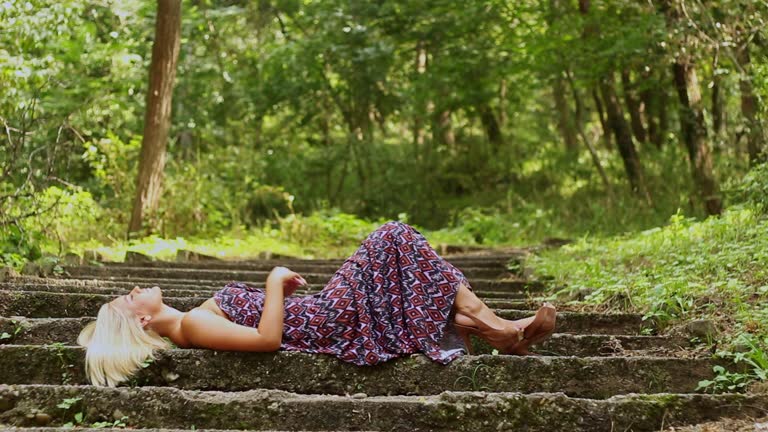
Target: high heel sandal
{"x": 510, "y": 340}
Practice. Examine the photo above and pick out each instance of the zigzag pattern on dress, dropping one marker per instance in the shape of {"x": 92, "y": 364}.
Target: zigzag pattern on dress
{"x": 393, "y": 297}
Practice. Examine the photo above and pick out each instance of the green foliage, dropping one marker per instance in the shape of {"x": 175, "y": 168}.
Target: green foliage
{"x": 113, "y": 424}
{"x": 268, "y": 202}
{"x": 290, "y": 117}
{"x": 78, "y": 417}
{"x": 689, "y": 269}
{"x": 69, "y": 403}
{"x": 749, "y": 354}
{"x": 472, "y": 381}
{"x": 18, "y": 246}
{"x": 753, "y": 188}
{"x": 71, "y": 213}
{"x": 329, "y": 227}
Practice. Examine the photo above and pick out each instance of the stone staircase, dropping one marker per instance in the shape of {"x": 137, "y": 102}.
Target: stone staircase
{"x": 599, "y": 372}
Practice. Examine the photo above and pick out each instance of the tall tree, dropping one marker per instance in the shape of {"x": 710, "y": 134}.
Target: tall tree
{"x": 157, "y": 119}
{"x": 634, "y": 106}
{"x": 565, "y": 121}
{"x": 694, "y": 134}
{"x": 718, "y": 101}
{"x": 692, "y": 125}
{"x": 652, "y": 95}
{"x": 750, "y": 105}
{"x": 623, "y": 134}
{"x": 615, "y": 118}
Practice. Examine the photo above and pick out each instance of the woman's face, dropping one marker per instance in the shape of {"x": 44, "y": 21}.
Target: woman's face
{"x": 142, "y": 302}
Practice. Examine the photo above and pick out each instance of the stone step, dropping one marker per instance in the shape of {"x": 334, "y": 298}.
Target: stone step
{"x": 97, "y": 427}
{"x": 490, "y": 260}
{"x": 492, "y": 271}
{"x": 180, "y": 299}
{"x": 450, "y": 411}
{"x": 70, "y": 305}
{"x": 510, "y": 285}
{"x": 207, "y": 292}
{"x": 42, "y": 331}
{"x": 38, "y": 284}
{"x": 196, "y": 369}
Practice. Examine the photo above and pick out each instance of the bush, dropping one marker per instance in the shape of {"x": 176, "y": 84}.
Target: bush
{"x": 327, "y": 227}
{"x": 17, "y": 246}
{"x": 70, "y": 215}
{"x": 753, "y": 188}
{"x": 267, "y": 203}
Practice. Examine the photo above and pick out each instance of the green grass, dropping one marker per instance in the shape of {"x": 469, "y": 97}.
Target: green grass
{"x": 715, "y": 269}
{"x": 320, "y": 235}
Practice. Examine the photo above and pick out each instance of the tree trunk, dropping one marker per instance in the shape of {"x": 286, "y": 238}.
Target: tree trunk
{"x": 442, "y": 130}
{"x": 750, "y": 108}
{"x": 603, "y": 121}
{"x": 623, "y": 135}
{"x": 564, "y": 117}
{"x": 634, "y": 106}
{"x": 503, "y": 117}
{"x": 695, "y": 135}
{"x": 491, "y": 126}
{"x": 651, "y": 100}
{"x": 418, "y": 121}
{"x": 579, "y": 121}
{"x": 718, "y": 106}
{"x": 663, "y": 112}
{"x": 157, "y": 120}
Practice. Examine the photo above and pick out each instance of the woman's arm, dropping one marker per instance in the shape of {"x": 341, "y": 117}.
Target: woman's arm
{"x": 271, "y": 323}
{"x": 205, "y": 329}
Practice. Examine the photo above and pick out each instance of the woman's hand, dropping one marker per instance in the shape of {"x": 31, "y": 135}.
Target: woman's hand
{"x": 289, "y": 280}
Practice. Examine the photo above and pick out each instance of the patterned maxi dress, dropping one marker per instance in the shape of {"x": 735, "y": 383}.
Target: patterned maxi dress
{"x": 393, "y": 297}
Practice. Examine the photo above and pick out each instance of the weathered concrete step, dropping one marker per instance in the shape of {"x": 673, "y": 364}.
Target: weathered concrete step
{"x": 195, "y": 369}
{"x": 205, "y": 291}
{"x": 480, "y": 272}
{"x": 96, "y": 272}
{"x": 497, "y": 260}
{"x": 21, "y": 283}
{"x": 42, "y": 331}
{"x": 595, "y": 345}
{"x": 97, "y": 427}
{"x": 510, "y": 285}
{"x": 64, "y": 305}
{"x": 185, "y": 300}
{"x": 449, "y": 411}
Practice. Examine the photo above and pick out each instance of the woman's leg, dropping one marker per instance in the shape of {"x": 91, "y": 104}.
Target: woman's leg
{"x": 516, "y": 335}
{"x": 468, "y": 304}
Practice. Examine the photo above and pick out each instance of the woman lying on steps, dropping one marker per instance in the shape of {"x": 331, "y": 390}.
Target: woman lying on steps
{"x": 393, "y": 297}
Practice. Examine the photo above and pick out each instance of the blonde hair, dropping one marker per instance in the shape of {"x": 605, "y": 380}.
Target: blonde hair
{"x": 116, "y": 346}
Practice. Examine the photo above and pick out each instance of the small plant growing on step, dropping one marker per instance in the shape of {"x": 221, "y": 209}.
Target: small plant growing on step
{"x": 754, "y": 356}
{"x": 68, "y": 403}
{"x": 724, "y": 381}
{"x": 114, "y": 424}
{"x": 78, "y": 420}
{"x": 59, "y": 348}
{"x": 16, "y": 330}
{"x": 472, "y": 379}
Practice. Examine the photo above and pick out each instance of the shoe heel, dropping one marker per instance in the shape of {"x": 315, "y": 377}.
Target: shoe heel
{"x": 464, "y": 333}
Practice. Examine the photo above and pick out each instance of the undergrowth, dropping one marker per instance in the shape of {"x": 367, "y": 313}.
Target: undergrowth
{"x": 324, "y": 234}
{"x": 715, "y": 269}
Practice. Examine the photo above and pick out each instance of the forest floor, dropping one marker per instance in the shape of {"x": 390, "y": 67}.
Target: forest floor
{"x": 712, "y": 273}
